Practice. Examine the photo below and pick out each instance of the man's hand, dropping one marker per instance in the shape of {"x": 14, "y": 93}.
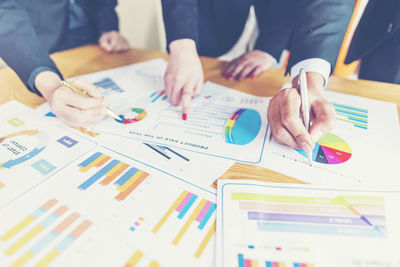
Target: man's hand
{"x": 249, "y": 64}
{"x": 72, "y": 109}
{"x": 113, "y": 42}
{"x": 284, "y": 115}
{"x": 184, "y": 76}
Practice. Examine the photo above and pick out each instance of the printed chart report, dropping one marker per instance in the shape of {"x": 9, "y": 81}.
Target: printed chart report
{"x": 29, "y": 152}
{"x": 340, "y": 156}
{"x": 105, "y": 209}
{"x": 223, "y": 122}
{"x": 261, "y": 224}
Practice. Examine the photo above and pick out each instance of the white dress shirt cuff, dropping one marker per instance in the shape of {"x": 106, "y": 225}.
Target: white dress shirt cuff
{"x": 317, "y": 65}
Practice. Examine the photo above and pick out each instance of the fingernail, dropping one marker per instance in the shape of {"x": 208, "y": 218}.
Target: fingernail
{"x": 225, "y": 73}
{"x": 252, "y": 76}
{"x": 306, "y": 147}
{"x": 184, "y": 116}
{"x": 316, "y": 135}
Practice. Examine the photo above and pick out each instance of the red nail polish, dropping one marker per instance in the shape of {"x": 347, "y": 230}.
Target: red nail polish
{"x": 229, "y": 77}
{"x": 252, "y": 76}
{"x": 184, "y": 116}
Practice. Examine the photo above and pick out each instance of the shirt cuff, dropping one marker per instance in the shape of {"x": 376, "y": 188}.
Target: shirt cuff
{"x": 317, "y": 65}
{"x": 34, "y": 73}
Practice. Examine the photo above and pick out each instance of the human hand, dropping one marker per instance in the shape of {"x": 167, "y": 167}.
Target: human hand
{"x": 284, "y": 115}
{"x": 249, "y": 65}
{"x": 72, "y": 109}
{"x": 113, "y": 42}
{"x": 184, "y": 76}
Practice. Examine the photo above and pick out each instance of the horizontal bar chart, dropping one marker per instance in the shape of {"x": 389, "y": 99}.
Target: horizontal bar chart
{"x": 125, "y": 177}
{"x": 34, "y": 237}
{"x": 357, "y": 117}
{"x": 362, "y": 216}
{"x": 201, "y": 212}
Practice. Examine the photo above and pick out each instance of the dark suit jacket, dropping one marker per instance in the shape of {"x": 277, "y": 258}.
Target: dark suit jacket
{"x": 30, "y": 30}
{"x": 311, "y": 28}
{"x": 380, "y": 21}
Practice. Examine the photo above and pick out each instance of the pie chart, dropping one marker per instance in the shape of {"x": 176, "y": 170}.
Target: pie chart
{"x": 132, "y": 115}
{"x": 242, "y": 127}
{"x": 330, "y": 149}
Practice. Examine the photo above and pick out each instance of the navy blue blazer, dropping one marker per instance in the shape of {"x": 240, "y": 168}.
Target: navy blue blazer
{"x": 30, "y": 30}
{"x": 309, "y": 28}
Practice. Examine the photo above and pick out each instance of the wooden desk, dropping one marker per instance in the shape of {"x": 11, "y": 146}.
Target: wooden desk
{"x": 90, "y": 58}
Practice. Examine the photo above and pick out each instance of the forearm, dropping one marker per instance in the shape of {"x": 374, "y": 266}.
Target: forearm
{"x": 105, "y": 16}
{"x": 180, "y": 19}
{"x": 320, "y": 30}
{"x": 19, "y": 45}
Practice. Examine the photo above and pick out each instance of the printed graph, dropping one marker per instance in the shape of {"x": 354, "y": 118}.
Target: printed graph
{"x": 137, "y": 257}
{"x": 14, "y": 149}
{"x": 330, "y": 149}
{"x": 125, "y": 177}
{"x": 357, "y": 117}
{"x": 242, "y": 127}
{"x": 343, "y": 215}
{"x": 108, "y": 86}
{"x": 158, "y": 96}
{"x": 167, "y": 152}
{"x": 201, "y": 213}
{"x": 132, "y": 115}
{"x": 24, "y": 235}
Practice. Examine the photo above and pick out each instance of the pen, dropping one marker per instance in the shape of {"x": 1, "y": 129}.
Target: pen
{"x": 305, "y": 106}
{"x": 80, "y": 91}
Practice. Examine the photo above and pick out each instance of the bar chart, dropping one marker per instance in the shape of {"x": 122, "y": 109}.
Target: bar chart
{"x": 38, "y": 232}
{"x": 357, "y": 117}
{"x": 343, "y": 215}
{"x": 185, "y": 208}
{"x": 126, "y": 178}
{"x": 108, "y": 86}
{"x": 138, "y": 257}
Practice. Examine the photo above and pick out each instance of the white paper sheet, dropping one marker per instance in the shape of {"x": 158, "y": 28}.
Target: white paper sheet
{"x": 138, "y": 209}
{"x": 264, "y": 224}
{"x": 361, "y": 150}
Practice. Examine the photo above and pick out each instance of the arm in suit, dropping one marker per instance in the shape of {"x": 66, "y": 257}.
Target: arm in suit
{"x": 19, "y": 45}
{"x": 104, "y": 15}
{"x": 321, "y": 26}
{"x": 180, "y": 19}
{"x": 276, "y": 21}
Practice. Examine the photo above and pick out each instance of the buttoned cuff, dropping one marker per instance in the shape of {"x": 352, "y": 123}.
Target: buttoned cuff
{"x": 317, "y": 65}
{"x": 31, "y": 80}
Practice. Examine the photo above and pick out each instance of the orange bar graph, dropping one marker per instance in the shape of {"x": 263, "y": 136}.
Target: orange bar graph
{"x": 104, "y": 160}
{"x": 114, "y": 173}
{"x": 121, "y": 196}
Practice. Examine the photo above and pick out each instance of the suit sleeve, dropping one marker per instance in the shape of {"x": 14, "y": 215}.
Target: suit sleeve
{"x": 105, "y": 16}
{"x": 320, "y": 30}
{"x": 275, "y": 29}
{"x": 180, "y": 19}
{"x": 19, "y": 46}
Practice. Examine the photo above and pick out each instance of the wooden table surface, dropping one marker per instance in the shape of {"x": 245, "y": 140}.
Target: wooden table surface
{"x": 90, "y": 59}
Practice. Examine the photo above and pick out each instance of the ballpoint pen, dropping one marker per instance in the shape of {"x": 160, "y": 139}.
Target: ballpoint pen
{"x": 305, "y": 105}
{"x": 81, "y": 91}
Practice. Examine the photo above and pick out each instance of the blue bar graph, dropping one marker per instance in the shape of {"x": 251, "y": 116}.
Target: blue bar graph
{"x": 98, "y": 175}
{"x": 90, "y": 159}
{"x": 124, "y": 178}
{"x": 187, "y": 206}
{"x": 207, "y": 216}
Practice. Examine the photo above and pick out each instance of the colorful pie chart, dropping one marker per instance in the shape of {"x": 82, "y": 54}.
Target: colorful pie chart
{"x": 242, "y": 127}
{"x": 330, "y": 149}
{"x": 132, "y": 115}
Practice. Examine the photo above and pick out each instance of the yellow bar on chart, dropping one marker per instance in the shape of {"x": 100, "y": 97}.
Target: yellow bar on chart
{"x": 189, "y": 222}
{"x": 154, "y": 264}
{"x": 136, "y": 257}
{"x": 131, "y": 180}
{"x": 282, "y": 264}
{"x": 114, "y": 173}
{"x": 16, "y": 229}
{"x": 94, "y": 163}
{"x": 254, "y": 263}
{"x": 25, "y": 239}
{"x": 169, "y": 212}
{"x": 48, "y": 258}
{"x": 206, "y": 239}
{"x": 1, "y": 185}
{"x": 24, "y": 259}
